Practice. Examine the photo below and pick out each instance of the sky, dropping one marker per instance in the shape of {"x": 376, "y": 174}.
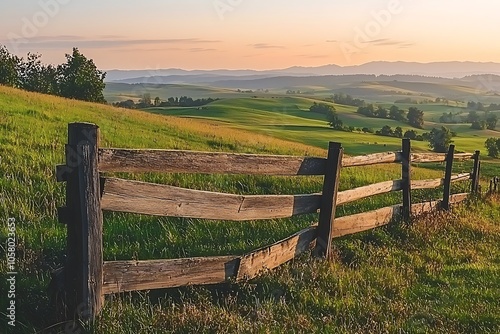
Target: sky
{"x": 252, "y": 34}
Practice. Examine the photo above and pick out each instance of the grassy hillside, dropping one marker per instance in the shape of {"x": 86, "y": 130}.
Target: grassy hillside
{"x": 289, "y": 118}
{"x": 115, "y": 92}
{"x": 439, "y": 274}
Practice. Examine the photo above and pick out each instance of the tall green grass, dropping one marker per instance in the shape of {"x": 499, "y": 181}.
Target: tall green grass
{"x": 373, "y": 285}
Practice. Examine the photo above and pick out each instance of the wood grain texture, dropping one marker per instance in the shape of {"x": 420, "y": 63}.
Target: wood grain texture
{"x": 445, "y": 203}
{"x": 438, "y": 157}
{"x": 476, "y": 173}
{"x": 162, "y": 200}
{"x": 270, "y": 257}
{"x": 92, "y": 226}
{"x": 176, "y": 161}
{"x": 83, "y": 269}
{"x": 434, "y": 183}
{"x": 351, "y": 195}
{"x": 458, "y": 198}
{"x": 120, "y": 276}
{"x": 406, "y": 161}
{"x": 420, "y": 208}
{"x": 372, "y": 159}
{"x": 365, "y": 221}
{"x": 373, "y": 219}
{"x": 329, "y": 201}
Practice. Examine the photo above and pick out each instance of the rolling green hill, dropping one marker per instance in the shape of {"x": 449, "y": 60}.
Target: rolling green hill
{"x": 439, "y": 274}
{"x": 116, "y": 92}
{"x": 289, "y": 118}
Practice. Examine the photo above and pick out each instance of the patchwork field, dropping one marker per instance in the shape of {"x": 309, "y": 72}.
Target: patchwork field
{"x": 289, "y": 118}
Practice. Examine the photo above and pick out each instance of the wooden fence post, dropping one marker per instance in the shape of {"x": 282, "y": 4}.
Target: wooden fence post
{"x": 445, "y": 204}
{"x": 475, "y": 173}
{"x": 329, "y": 200}
{"x": 83, "y": 269}
{"x": 406, "y": 177}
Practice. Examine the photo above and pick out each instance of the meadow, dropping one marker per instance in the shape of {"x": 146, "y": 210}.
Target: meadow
{"x": 439, "y": 274}
{"x": 289, "y": 118}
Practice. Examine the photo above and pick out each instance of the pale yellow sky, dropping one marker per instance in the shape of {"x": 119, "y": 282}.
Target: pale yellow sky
{"x": 257, "y": 34}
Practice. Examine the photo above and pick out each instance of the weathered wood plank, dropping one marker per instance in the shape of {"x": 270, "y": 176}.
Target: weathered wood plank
{"x": 83, "y": 267}
{"x": 406, "y": 161}
{"x": 421, "y": 208}
{"x": 120, "y": 276}
{"x": 329, "y": 201}
{"x": 275, "y": 255}
{"x": 373, "y": 219}
{"x": 92, "y": 225}
{"x": 355, "y": 194}
{"x": 424, "y": 207}
{"x": 438, "y": 157}
{"x": 475, "y": 173}
{"x": 434, "y": 183}
{"x": 365, "y": 221}
{"x": 162, "y": 200}
{"x": 372, "y": 159}
{"x": 458, "y": 198}
{"x": 177, "y": 161}
{"x": 445, "y": 204}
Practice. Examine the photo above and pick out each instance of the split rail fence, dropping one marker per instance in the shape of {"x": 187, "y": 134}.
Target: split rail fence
{"x": 87, "y": 278}
{"x": 494, "y": 185}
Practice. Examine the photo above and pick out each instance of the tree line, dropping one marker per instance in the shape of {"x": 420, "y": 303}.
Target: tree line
{"x": 478, "y": 122}
{"x": 78, "y": 78}
{"x": 347, "y": 100}
{"x": 414, "y": 116}
{"x": 147, "y": 102}
{"x": 439, "y": 138}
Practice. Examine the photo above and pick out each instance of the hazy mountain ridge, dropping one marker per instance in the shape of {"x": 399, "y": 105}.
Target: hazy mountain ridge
{"x": 452, "y": 69}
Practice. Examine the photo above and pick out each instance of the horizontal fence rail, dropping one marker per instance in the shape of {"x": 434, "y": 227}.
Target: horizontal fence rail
{"x": 123, "y": 276}
{"x": 372, "y": 159}
{"x": 87, "y": 278}
{"x": 352, "y": 195}
{"x": 434, "y": 183}
{"x": 174, "y": 161}
{"x": 162, "y": 200}
{"x": 438, "y": 157}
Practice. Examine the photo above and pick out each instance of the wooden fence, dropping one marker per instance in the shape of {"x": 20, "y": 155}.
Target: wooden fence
{"x": 87, "y": 278}
{"x": 494, "y": 185}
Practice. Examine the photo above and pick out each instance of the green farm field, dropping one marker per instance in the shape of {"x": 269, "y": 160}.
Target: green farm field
{"x": 289, "y": 118}
{"x": 439, "y": 274}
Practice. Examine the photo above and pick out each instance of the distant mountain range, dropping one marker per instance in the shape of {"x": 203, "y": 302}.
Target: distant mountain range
{"x": 450, "y": 70}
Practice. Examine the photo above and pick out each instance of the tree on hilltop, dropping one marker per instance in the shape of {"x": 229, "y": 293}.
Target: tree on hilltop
{"x": 9, "y": 65}
{"x": 80, "y": 79}
{"x": 440, "y": 139}
{"x": 491, "y": 122}
{"x": 415, "y": 117}
{"x": 331, "y": 115}
{"x": 34, "y": 76}
{"x": 493, "y": 146}
{"x": 321, "y": 108}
